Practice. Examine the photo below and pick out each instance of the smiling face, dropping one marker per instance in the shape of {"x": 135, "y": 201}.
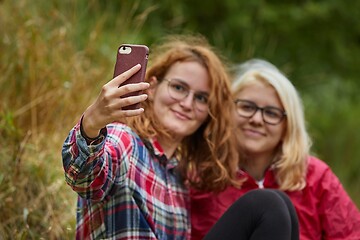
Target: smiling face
{"x": 259, "y": 138}
{"x": 181, "y": 117}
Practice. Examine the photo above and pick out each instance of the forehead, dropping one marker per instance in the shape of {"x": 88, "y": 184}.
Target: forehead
{"x": 261, "y": 93}
{"x": 192, "y": 74}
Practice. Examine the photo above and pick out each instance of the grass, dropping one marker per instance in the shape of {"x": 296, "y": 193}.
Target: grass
{"x": 54, "y": 60}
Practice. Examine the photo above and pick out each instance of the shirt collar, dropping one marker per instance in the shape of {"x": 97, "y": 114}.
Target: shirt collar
{"x": 155, "y": 148}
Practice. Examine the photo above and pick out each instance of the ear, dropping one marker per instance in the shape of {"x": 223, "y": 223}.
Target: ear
{"x": 152, "y": 89}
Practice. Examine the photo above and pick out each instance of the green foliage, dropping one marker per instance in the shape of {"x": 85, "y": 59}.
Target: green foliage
{"x": 333, "y": 113}
{"x": 55, "y": 56}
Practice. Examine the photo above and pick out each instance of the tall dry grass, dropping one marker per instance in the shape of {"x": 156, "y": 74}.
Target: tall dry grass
{"x": 55, "y": 55}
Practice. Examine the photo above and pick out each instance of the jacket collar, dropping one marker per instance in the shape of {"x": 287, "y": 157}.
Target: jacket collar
{"x": 269, "y": 178}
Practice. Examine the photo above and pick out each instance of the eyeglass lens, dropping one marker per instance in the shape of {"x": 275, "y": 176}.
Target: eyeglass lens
{"x": 179, "y": 91}
{"x": 270, "y": 115}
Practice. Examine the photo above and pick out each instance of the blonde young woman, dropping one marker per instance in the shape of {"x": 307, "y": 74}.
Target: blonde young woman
{"x": 276, "y": 154}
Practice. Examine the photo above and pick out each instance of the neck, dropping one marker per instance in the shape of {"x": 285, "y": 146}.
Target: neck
{"x": 257, "y": 165}
{"x": 169, "y": 145}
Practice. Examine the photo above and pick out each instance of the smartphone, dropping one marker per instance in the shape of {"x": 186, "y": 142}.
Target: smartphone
{"x": 128, "y": 55}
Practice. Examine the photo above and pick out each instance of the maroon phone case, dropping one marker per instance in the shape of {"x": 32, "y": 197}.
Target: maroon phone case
{"x": 124, "y": 61}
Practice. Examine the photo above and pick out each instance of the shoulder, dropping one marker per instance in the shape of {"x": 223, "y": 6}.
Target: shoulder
{"x": 119, "y": 133}
{"x": 117, "y": 129}
{"x": 319, "y": 173}
{"x": 316, "y": 166}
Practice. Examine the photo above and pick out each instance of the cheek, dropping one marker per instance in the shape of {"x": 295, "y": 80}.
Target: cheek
{"x": 240, "y": 121}
{"x": 278, "y": 132}
{"x": 201, "y": 116}
{"x": 161, "y": 100}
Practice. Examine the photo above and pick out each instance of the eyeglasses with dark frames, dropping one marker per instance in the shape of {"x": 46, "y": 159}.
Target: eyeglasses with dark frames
{"x": 179, "y": 90}
{"x": 270, "y": 115}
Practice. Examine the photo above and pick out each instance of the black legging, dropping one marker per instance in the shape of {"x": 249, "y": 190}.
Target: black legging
{"x": 259, "y": 214}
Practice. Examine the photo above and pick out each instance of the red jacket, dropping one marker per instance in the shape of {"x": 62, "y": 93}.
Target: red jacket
{"x": 324, "y": 209}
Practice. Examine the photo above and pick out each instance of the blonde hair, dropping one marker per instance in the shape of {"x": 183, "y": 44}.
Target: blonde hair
{"x": 209, "y": 157}
{"x": 291, "y": 161}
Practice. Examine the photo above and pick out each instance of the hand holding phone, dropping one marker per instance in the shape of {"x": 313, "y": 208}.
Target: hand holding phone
{"x": 129, "y": 55}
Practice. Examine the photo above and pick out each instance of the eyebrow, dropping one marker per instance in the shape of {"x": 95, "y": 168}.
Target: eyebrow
{"x": 187, "y": 85}
{"x": 267, "y": 106}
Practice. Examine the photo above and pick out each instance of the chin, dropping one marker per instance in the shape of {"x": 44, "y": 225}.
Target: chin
{"x": 177, "y": 131}
{"x": 181, "y": 133}
{"x": 251, "y": 148}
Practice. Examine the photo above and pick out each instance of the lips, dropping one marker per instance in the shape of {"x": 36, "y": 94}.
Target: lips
{"x": 253, "y": 133}
{"x": 181, "y": 116}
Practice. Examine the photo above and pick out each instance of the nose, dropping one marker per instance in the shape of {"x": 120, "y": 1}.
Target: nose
{"x": 257, "y": 117}
{"x": 187, "y": 102}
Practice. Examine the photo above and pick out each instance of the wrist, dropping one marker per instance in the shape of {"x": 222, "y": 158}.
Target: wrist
{"x": 93, "y": 138}
{"x": 88, "y": 129}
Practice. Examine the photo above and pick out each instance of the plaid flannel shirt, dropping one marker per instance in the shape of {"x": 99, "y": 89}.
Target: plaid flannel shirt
{"x": 127, "y": 187}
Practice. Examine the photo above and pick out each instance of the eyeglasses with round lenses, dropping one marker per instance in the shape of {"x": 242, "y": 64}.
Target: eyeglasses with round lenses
{"x": 270, "y": 115}
{"x": 179, "y": 90}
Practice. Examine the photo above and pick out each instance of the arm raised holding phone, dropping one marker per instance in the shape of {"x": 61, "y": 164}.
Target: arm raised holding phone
{"x": 122, "y": 93}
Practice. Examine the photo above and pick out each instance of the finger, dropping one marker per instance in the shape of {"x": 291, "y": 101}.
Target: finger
{"x": 132, "y": 112}
{"x": 120, "y": 114}
{"x": 132, "y": 88}
{"x": 126, "y": 101}
{"x": 124, "y": 76}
